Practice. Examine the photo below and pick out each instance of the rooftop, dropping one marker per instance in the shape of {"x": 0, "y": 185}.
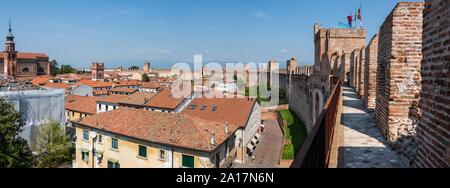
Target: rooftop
{"x": 81, "y": 104}
{"x": 222, "y": 110}
{"x": 165, "y": 100}
{"x": 123, "y": 90}
{"x": 138, "y": 98}
{"x": 164, "y": 128}
{"x": 114, "y": 99}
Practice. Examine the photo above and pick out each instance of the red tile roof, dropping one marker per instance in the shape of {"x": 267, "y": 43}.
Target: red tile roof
{"x": 150, "y": 85}
{"x": 138, "y": 98}
{"x": 82, "y": 104}
{"x": 123, "y": 90}
{"x": 57, "y": 85}
{"x": 165, "y": 100}
{"x": 40, "y": 80}
{"x": 27, "y": 55}
{"x": 114, "y": 99}
{"x": 227, "y": 110}
{"x": 163, "y": 128}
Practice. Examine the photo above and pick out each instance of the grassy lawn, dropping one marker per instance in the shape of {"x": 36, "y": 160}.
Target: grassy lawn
{"x": 295, "y": 131}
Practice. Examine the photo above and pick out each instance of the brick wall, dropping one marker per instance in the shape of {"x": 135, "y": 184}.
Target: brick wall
{"x": 370, "y": 73}
{"x": 360, "y": 72}
{"x": 399, "y": 80}
{"x": 433, "y": 129}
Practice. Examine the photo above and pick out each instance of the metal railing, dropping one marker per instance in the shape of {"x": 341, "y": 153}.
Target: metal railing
{"x": 316, "y": 150}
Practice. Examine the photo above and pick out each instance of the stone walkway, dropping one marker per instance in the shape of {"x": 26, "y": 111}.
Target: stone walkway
{"x": 364, "y": 146}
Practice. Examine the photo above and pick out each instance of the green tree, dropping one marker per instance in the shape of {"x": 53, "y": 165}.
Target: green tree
{"x": 145, "y": 78}
{"x": 14, "y": 150}
{"x": 134, "y": 68}
{"x": 54, "y": 70}
{"x": 66, "y": 69}
{"x": 54, "y": 145}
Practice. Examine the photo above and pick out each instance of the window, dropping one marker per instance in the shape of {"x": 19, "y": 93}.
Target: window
{"x": 25, "y": 69}
{"x": 162, "y": 155}
{"x": 187, "y": 161}
{"x": 85, "y": 155}
{"x": 73, "y": 114}
{"x": 112, "y": 164}
{"x": 107, "y": 107}
{"x": 100, "y": 139}
{"x": 214, "y": 108}
{"x": 203, "y": 108}
{"x": 85, "y": 135}
{"x": 99, "y": 106}
{"x": 114, "y": 107}
{"x": 114, "y": 143}
{"x": 192, "y": 107}
{"x": 142, "y": 151}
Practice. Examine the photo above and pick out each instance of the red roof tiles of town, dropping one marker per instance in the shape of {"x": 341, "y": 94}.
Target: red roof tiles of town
{"x": 226, "y": 110}
{"x": 164, "y": 128}
{"x": 150, "y": 85}
{"x": 165, "y": 100}
{"x": 82, "y": 104}
{"x": 138, "y": 98}
{"x": 28, "y": 55}
{"x": 40, "y": 80}
{"x": 123, "y": 90}
{"x": 114, "y": 99}
{"x": 57, "y": 85}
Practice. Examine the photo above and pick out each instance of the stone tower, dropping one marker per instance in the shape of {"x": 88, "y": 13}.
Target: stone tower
{"x": 272, "y": 66}
{"x": 147, "y": 66}
{"x": 10, "y": 55}
{"x": 98, "y": 70}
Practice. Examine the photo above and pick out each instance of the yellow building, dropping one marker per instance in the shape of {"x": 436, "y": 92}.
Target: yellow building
{"x": 133, "y": 138}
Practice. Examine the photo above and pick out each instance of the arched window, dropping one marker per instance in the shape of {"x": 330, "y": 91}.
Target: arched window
{"x": 25, "y": 69}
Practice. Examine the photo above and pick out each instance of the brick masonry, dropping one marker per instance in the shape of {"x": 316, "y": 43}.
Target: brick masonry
{"x": 398, "y": 78}
{"x": 434, "y": 127}
{"x": 370, "y": 73}
{"x": 360, "y": 73}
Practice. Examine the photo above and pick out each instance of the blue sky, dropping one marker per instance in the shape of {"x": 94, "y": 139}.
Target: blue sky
{"x": 129, "y": 31}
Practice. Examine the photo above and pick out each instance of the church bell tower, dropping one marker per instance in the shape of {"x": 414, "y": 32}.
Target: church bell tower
{"x": 10, "y": 54}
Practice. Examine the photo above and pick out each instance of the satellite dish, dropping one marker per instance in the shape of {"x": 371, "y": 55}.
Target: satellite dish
{"x": 93, "y": 135}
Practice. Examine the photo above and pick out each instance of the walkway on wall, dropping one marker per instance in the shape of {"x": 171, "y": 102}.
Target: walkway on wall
{"x": 363, "y": 146}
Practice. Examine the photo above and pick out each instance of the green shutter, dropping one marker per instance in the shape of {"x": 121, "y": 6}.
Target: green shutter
{"x": 188, "y": 161}
{"x": 142, "y": 151}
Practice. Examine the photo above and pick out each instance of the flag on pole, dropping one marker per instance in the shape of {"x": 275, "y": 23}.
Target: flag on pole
{"x": 350, "y": 20}
{"x": 359, "y": 14}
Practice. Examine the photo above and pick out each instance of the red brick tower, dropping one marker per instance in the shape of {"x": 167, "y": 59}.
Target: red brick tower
{"x": 10, "y": 54}
{"x": 98, "y": 70}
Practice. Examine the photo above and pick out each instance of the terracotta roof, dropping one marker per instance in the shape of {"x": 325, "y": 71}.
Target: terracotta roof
{"x": 27, "y": 55}
{"x": 127, "y": 83}
{"x": 165, "y": 100}
{"x": 95, "y": 84}
{"x": 226, "y": 110}
{"x": 150, "y": 85}
{"x": 138, "y": 98}
{"x": 123, "y": 90}
{"x": 57, "y": 85}
{"x": 114, "y": 99}
{"x": 163, "y": 128}
{"x": 100, "y": 92}
{"x": 40, "y": 80}
{"x": 81, "y": 104}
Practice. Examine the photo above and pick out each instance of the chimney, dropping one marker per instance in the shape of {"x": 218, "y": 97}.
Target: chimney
{"x": 226, "y": 128}
{"x": 213, "y": 139}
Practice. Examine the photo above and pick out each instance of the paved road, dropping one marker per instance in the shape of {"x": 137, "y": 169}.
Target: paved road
{"x": 268, "y": 150}
{"x": 364, "y": 146}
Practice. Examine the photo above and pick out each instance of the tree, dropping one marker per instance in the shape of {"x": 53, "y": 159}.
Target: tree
{"x": 134, "y": 68}
{"x": 66, "y": 69}
{"x": 54, "y": 70}
{"x": 14, "y": 150}
{"x": 145, "y": 78}
{"x": 54, "y": 145}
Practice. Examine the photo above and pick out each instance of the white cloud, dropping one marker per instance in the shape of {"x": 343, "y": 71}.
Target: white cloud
{"x": 124, "y": 12}
{"x": 260, "y": 15}
{"x": 284, "y": 51}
